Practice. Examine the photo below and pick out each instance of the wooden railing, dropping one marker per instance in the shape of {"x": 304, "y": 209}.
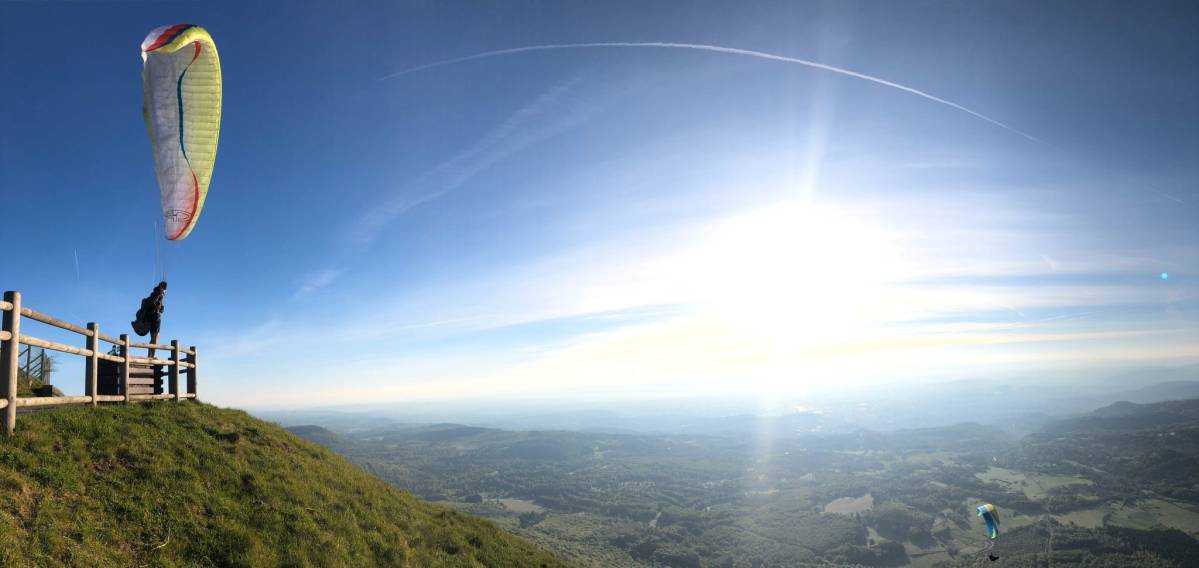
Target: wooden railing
{"x": 182, "y": 361}
{"x": 37, "y": 364}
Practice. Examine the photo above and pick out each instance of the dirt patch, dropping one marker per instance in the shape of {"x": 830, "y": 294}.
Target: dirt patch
{"x": 850, "y": 505}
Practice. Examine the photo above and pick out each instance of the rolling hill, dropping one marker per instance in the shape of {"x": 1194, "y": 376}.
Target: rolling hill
{"x": 189, "y": 484}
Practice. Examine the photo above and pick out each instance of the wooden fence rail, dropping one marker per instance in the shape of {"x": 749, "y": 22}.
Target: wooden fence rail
{"x": 182, "y": 361}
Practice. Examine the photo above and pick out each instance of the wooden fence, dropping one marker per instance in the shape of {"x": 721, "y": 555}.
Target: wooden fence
{"x": 182, "y": 361}
{"x": 37, "y": 363}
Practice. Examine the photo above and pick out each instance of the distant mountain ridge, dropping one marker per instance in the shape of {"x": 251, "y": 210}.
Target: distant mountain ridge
{"x": 1159, "y": 392}
{"x": 1127, "y": 416}
{"x": 1020, "y": 407}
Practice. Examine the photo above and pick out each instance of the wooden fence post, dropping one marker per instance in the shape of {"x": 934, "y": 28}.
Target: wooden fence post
{"x": 192, "y": 372}
{"x": 127, "y": 354}
{"x": 10, "y": 359}
{"x": 92, "y": 367}
{"x": 174, "y": 372}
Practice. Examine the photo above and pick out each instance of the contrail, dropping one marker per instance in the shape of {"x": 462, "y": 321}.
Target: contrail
{"x": 716, "y": 49}
{"x": 1170, "y": 197}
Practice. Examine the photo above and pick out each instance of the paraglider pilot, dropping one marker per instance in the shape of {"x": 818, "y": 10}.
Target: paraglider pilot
{"x": 149, "y": 316}
{"x": 990, "y": 515}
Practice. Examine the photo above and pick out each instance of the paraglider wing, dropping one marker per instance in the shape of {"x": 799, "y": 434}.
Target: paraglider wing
{"x": 181, "y": 83}
{"x": 991, "y": 516}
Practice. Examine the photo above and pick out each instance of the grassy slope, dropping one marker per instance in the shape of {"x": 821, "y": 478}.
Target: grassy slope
{"x": 26, "y": 385}
{"x": 167, "y": 484}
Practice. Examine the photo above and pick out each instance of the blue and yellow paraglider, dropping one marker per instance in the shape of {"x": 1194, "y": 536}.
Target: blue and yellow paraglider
{"x": 990, "y": 516}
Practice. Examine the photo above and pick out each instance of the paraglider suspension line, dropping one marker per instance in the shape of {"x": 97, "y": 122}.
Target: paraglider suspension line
{"x": 157, "y": 256}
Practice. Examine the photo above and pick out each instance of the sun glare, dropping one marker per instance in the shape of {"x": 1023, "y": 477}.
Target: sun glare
{"x": 796, "y": 272}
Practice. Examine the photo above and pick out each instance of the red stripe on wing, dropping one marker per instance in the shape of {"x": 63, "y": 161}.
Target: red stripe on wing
{"x": 167, "y": 36}
{"x": 195, "y": 203}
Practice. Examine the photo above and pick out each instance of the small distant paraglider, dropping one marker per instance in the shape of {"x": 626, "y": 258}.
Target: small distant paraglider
{"x": 990, "y": 516}
{"x": 181, "y": 82}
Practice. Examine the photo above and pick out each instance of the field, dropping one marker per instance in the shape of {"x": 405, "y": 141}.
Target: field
{"x": 1089, "y": 518}
{"x": 1174, "y": 515}
{"x": 850, "y": 505}
{"x": 520, "y": 506}
{"x": 1034, "y": 486}
{"x": 1151, "y": 513}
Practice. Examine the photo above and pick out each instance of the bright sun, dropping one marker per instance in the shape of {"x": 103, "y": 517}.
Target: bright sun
{"x": 795, "y": 272}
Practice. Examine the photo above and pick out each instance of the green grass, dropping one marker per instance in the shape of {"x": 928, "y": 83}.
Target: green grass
{"x": 1147, "y": 514}
{"x": 26, "y": 384}
{"x": 167, "y": 484}
{"x": 1089, "y": 518}
{"x": 1174, "y": 515}
{"x": 1035, "y": 486}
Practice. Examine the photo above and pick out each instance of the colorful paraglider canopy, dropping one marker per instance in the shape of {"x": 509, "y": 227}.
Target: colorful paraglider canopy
{"x": 991, "y": 515}
{"x": 181, "y": 82}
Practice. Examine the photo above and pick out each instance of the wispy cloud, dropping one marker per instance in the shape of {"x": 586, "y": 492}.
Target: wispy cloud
{"x": 317, "y": 282}
{"x": 1020, "y": 305}
{"x": 552, "y": 112}
{"x": 696, "y": 353}
{"x": 539, "y": 119}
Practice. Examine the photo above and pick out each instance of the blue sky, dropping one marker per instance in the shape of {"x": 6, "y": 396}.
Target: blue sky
{"x": 621, "y": 222}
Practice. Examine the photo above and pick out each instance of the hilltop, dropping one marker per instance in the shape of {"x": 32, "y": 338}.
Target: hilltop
{"x": 190, "y": 484}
